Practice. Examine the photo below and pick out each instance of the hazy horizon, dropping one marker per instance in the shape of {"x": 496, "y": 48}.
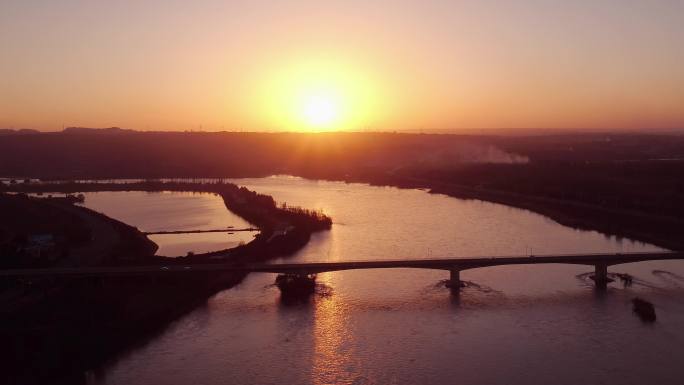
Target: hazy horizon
{"x": 514, "y": 131}
{"x": 307, "y": 66}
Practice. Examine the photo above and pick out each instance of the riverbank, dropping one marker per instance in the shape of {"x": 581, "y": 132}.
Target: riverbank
{"x": 55, "y": 330}
{"x": 661, "y": 231}
{"x": 258, "y": 209}
{"x": 657, "y": 226}
{"x": 53, "y": 231}
{"x": 648, "y": 226}
{"x": 649, "y": 215}
{"x": 282, "y": 229}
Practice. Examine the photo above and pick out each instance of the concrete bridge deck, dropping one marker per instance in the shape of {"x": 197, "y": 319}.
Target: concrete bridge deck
{"x": 454, "y": 265}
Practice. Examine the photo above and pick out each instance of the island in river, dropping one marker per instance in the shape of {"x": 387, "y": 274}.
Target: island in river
{"x": 71, "y": 325}
{"x": 625, "y": 184}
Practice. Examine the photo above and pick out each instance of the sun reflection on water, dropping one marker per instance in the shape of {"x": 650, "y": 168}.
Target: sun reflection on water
{"x": 333, "y": 356}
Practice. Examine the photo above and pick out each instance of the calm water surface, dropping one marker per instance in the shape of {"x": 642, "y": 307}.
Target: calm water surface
{"x": 169, "y": 211}
{"x": 513, "y": 325}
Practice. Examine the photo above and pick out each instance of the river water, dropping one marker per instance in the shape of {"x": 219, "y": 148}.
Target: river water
{"x": 174, "y": 211}
{"x": 513, "y": 325}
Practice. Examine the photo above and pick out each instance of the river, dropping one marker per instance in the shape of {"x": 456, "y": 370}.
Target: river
{"x": 174, "y": 211}
{"x": 512, "y": 325}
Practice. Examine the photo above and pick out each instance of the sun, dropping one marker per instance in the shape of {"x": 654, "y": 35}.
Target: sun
{"x": 315, "y": 95}
{"x": 320, "y": 111}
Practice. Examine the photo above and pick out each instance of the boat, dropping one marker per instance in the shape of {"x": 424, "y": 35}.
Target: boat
{"x": 644, "y": 310}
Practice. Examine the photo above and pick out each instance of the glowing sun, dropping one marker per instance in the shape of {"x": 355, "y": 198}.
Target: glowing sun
{"x": 317, "y": 94}
{"x": 320, "y": 111}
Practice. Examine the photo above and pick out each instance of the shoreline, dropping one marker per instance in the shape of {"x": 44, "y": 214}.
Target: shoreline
{"x": 93, "y": 321}
{"x": 660, "y": 231}
{"x": 121, "y": 339}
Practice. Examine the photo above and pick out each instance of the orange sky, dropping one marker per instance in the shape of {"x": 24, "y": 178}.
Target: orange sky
{"x": 380, "y": 65}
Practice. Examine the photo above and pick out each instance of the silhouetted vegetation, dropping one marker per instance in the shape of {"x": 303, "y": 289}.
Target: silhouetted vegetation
{"x": 37, "y": 232}
{"x": 57, "y": 327}
{"x": 294, "y": 287}
{"x": 621, "y": 184}
{"x": 628, "y": 185}
{"x": 259, "y": 209}
{"x": 129, "y": 154}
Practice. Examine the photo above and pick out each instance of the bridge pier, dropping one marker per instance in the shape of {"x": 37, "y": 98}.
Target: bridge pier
{"x": 454, "y": 279}
{"x": 296, "y": 285}
{"x": 601, "y": 275}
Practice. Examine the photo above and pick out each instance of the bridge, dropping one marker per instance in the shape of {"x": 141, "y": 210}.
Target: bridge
{"x": 600, "y": 262}
{"x": 226, "y": 230}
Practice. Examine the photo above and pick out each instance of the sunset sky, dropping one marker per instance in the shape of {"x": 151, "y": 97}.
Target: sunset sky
{"x": 347, "y": 65}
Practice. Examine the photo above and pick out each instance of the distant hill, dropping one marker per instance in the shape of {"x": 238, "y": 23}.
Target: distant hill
{"x": 79, "y": 152}
{"x": 21, "y": 131}
{"x": 114, "y": 152}
{"x": 89, "y": 130}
